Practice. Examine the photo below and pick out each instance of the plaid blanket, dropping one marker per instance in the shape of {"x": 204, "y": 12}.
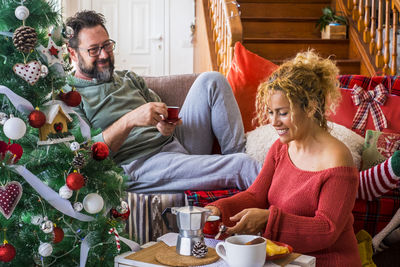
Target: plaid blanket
{"x": 202, "y": 198}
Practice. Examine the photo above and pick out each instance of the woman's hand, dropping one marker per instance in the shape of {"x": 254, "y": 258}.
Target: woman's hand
{"x": 214, "y": 210}
{"x": 249, "y": 221}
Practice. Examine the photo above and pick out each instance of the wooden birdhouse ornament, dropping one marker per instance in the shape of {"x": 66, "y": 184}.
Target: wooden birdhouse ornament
{"x": 55, "y": 130}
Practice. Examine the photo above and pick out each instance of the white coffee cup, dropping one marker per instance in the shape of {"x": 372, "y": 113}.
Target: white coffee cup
{"x": 237, "y": 254}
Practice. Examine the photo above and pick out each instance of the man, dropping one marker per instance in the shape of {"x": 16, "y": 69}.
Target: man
{"x": 158, "y": 156}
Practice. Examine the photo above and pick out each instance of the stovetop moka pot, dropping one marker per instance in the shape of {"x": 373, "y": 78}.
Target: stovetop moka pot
{"x": 190, "y": 221}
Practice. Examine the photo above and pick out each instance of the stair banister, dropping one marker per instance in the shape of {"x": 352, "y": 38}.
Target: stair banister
{"x": 227, "y": 30}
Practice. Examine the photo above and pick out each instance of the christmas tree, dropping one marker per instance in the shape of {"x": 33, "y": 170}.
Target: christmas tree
{"x": 61, "y": 197}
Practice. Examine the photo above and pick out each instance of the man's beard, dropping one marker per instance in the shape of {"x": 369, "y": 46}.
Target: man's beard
{"x": 104, "y": 75}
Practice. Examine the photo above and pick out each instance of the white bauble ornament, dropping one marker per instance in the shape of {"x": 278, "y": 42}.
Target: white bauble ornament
{"x": 65, "y": 192}
{"x": 45, "y": 249}
{"x": 75, "y": 146}
{"x": 14, "y": 128}
{"x": 93, "y": 203}
{"x": 78, "y": 206}
{"x": 47, "y": 226}
{"x": 37, "y": 219}
{"x": 22, "y": 12}
{"x": 43, "y": 71}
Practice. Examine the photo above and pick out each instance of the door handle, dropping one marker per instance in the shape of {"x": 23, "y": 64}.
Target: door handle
{"x": 157, "y": 38}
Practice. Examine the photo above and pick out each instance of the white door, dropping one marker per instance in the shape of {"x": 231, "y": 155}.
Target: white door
{"x": 153, "y": 36}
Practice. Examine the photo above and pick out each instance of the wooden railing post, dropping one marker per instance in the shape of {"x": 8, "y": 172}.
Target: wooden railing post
{"x": 373, "y": 29}
{"x": 367, "y": 16}
{"x": 393, "y": 69}
{"x": 386, "y": 56}
{"x": 379, "y": 45}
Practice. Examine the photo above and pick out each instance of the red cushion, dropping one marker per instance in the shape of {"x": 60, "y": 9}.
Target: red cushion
{"x": 247, "y": 71}
{"x": 346, "y": 110}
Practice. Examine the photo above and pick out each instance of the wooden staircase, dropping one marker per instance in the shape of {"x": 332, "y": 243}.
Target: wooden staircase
{"x": 279, "y": 29}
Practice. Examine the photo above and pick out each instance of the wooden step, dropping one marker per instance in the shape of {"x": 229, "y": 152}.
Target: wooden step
{"x": 285, "y": 27}
{"x": 282, "y": 9}
{"x": 283, "y": 48}
{"x": 346, "y": 66}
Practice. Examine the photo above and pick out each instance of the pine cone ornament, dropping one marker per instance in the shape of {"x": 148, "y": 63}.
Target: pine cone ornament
{"x": 79, "y": 161}
{"x": 25, "y": 39}
{"x": 199, "y": 249}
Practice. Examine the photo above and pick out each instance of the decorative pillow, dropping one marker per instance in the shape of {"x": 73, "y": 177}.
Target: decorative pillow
{"x": 261, "y": 139}
{"x": 390, "y": 109}
{"x": 247, "y": 71}
{"x": 378, "y": 147}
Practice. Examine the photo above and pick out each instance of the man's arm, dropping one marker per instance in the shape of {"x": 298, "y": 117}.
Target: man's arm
{"x": 149, "y": 114}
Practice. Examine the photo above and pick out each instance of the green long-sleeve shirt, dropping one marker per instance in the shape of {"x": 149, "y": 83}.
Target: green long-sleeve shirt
{"x": 104, "y": 103}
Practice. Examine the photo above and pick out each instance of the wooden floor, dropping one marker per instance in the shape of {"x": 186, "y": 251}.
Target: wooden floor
{"x": 389, "y": 257}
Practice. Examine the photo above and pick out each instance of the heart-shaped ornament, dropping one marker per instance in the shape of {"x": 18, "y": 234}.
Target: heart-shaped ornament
{"x": 58, "y": 127}
{"x": 30, "y": 72}
{"x": 10, "y": 194}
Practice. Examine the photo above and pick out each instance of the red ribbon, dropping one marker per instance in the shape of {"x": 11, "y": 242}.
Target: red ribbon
{"x": 369, "y": 100}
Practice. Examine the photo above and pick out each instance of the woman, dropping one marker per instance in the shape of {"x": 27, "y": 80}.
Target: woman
{"x": 306, "y": 189}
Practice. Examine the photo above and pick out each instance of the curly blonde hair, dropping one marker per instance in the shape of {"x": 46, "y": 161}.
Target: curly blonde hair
{"x": 307, "y": 80}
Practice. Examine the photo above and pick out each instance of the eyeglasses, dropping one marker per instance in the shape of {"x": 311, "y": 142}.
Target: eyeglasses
{"x": 108, "y": 46}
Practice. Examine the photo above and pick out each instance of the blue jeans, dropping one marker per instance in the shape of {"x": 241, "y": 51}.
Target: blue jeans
{"x": 209, "y": 110}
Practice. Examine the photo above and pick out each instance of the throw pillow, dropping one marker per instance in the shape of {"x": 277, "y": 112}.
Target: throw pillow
{"x": 261, "y": 139}
{"x": 346, "y": 106}
{"x": 378, "y": 147}
{"x": 247, "y": 71}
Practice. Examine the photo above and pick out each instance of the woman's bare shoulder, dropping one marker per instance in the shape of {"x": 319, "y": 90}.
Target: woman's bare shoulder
{"x": 338, "y": 154}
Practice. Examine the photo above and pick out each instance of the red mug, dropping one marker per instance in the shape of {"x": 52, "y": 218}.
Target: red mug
{"x": 211, "y": 227}
{"x": 173, "y": 113}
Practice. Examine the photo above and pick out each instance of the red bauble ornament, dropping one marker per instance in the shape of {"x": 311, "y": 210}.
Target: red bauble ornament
{"x": 3, "y": 148}
{"x": 7, "y": 252}
{"x": 99, "y": 151}
{"x": 37, "y": 119}
{"x": 16, "y": 150}
{"x": 72, "y": 98}
{"x": 58, "y": 235}
{"x": 75, "y": 181}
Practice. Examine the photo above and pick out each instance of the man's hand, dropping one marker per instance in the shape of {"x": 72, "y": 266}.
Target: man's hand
{"x": 149, "y": 114}
{"x": 250, "y": 221}
{"x": 167, "y": 128}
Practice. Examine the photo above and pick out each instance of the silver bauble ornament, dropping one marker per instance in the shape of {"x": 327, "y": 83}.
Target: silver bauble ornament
{"x": 47, "y": 226}
{"x": 14, "y": 128}
{"x": 68, "y": 32}
{"x": 65, "y": 192}
{"x": 45, "y": 249}
{"x": 22, "y": 12}
{"x": 43, "y": 71}
{"x": 78, "y": 206}
{"x": 37, "y": 219}
{"x": 75, "y": 146}
{"x": 93, "y": 203}
{"x": 3, "y": 118}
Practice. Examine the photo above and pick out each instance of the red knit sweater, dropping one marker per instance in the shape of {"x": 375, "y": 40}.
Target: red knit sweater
{"x": 309, "y": 210}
